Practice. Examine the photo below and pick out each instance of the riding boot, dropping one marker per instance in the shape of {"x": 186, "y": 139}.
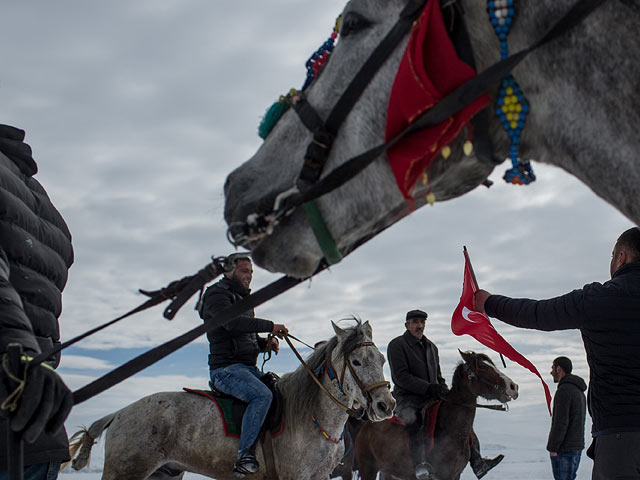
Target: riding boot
{"x": 423, "y": 470}
{"x": 479, "y": 465}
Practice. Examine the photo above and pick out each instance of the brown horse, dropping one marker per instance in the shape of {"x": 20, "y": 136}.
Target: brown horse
{"x": 383, "y": 446}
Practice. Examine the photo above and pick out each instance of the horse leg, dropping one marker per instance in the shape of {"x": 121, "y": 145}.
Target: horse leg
{"x": 365, "y": 459}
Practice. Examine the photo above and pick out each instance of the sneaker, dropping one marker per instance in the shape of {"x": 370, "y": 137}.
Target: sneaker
{"x": 423, "y": 471}
{"x": 245, "y": 465}
{"x": 482, "y": 468}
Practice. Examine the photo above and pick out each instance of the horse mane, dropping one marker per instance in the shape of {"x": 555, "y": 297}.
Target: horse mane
{"x": 300, "y": 393}
{"x": 459, "y": 380}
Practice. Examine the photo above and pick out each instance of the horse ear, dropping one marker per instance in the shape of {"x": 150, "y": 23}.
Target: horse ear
{"x": 367, "y": 330}
{"x": 340, "y": 333}
{"x": 466, "y": 356}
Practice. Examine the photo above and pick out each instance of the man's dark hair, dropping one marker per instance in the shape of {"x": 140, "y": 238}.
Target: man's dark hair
{"x": 564, "y": 363}
{"x": 630, "y": 240}
{"x": 234, "y": 258}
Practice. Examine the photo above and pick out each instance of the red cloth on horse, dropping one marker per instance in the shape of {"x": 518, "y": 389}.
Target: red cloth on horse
{"x": 429, "y": 70}
{"x": 431, "y": 417}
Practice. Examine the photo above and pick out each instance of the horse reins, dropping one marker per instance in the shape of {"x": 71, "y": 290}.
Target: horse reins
{"x": 365, "y": 390}
{"x": 263, "y": 224}
{"x": 308, "y": 187}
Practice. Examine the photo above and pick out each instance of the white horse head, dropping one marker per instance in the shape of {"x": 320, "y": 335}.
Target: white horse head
{"x": 585, "y": 110}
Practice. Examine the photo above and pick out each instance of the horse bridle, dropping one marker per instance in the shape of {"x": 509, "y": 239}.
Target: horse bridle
{"x": 308, "y": 186}
{"x": 364, "y": 389}
{"x": 470, "y": 375}
{"x": 347, "y": 364}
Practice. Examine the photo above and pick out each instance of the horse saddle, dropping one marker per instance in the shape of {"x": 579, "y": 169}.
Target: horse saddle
{"x": 429, "y": 424}
{"x": 232, "y": 409}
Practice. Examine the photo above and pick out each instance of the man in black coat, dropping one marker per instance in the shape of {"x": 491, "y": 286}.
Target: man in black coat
{"x": 608, "y": 317}
{"x": 566, "y": 437}
{"x": 418, "y": 383}
{"x": 35, "y": 255}
{"x": 234, "y": 349}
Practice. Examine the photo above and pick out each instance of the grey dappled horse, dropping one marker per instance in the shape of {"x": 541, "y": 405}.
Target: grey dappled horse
{"x": 585, "y": 112}
{"x": 185, "y": 432}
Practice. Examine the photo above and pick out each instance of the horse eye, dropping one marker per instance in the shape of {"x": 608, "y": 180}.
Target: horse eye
{"x": 356, "y": 363}
{"x": 353, "y": 23}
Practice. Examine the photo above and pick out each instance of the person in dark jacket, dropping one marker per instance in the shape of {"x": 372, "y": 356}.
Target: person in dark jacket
{"x": 418, "y": 383}
{"x": 234, "y": 349}
{"x": 35, "y": 256}
{"x": 566, "y": 437}
{"x": 608, "y": 317}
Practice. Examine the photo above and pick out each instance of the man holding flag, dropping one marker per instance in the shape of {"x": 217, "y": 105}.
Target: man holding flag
{"x": 608, "y": 316}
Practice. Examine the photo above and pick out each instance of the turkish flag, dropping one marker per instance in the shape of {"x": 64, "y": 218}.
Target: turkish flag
{"x": 466, "y": 320}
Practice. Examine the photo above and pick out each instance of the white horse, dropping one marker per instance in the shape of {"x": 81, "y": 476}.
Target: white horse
{"x": 184, "y": 432}
{"x": 585, "y": 112}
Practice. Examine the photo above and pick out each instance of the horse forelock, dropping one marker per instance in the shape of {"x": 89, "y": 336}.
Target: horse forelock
{"x": 300, "y": 392}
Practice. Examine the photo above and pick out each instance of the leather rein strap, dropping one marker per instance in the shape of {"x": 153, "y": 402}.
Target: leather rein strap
{"x": 318, "y": 149}
{"x": 365, "y": 390}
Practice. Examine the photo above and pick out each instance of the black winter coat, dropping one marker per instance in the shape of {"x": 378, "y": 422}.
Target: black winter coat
{"x": 413, "y": 368}
{"x": 567, "y": 421}
{"x": 237, "y": 340}
{"x": 608, "y": 316}
{"x": 35, "y": 255}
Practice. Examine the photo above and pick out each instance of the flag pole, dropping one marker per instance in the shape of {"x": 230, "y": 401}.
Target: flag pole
{"x": 474, "y": 281}
{"x": 474, "y": 285}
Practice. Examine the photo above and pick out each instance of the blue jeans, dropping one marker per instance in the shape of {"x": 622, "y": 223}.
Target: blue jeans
{"x": 39, "y": 471}
{"x": 565, "y": 465}
{"x": 243, "y": 382}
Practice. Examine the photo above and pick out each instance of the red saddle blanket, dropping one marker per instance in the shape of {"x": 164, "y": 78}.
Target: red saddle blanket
{"x": 431, "y": 416}
{"x": 231, "y": 411}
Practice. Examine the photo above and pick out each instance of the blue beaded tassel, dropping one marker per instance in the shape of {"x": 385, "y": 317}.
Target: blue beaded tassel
{"x": 512, "y": 106}
{"x": 313, "y": 66}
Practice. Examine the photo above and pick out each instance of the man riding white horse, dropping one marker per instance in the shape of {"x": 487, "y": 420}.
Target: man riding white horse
{"x": 234, "y": 349}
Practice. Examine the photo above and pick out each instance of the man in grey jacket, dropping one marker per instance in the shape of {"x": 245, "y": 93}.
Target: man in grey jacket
{"x": 566, "y": 437}
{"x": 608, "y": 317}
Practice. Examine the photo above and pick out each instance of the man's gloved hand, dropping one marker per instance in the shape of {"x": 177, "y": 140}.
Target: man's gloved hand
{"x": 44, "y": 404}
{"x": 437, "y": 390}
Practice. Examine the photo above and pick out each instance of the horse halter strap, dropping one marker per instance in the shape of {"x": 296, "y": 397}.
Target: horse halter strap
{"x": 471, "y": 375}
{"x": 260, "y": 224}
{"x": 346, "y": 364}
{"x": 324, "y": 132}
{"x": 344, "y": 407}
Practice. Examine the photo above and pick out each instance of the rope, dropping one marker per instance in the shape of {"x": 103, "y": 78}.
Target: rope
{"x": 348, "y": 410}
{"x": 11, "y": 402}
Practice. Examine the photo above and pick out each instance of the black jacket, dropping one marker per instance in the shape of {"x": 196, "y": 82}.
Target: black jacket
{"x": 236, "y": 341}
{"x": 35, "y": 255}
{"x": 567, "y": 422}
{"x": 415, "y": 364}
{"x": 608, "y": 316}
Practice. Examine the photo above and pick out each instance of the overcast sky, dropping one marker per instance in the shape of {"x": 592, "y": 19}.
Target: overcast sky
{"x": 136, "y": 111}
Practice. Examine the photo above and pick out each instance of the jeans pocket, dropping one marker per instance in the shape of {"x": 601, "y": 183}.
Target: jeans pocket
{"x": 218, "y": 376}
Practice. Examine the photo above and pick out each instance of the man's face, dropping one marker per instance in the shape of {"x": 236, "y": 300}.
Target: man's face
{"x": 243, "y": 273}
{"x": 555, "y": 373}
{"x": 415, "y": 326}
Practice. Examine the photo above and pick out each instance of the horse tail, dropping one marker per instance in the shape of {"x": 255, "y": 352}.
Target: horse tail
{"x": 84, "y": 439}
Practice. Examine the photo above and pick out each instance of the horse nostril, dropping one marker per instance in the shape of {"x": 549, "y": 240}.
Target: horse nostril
{"x": 382, "y": 407}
